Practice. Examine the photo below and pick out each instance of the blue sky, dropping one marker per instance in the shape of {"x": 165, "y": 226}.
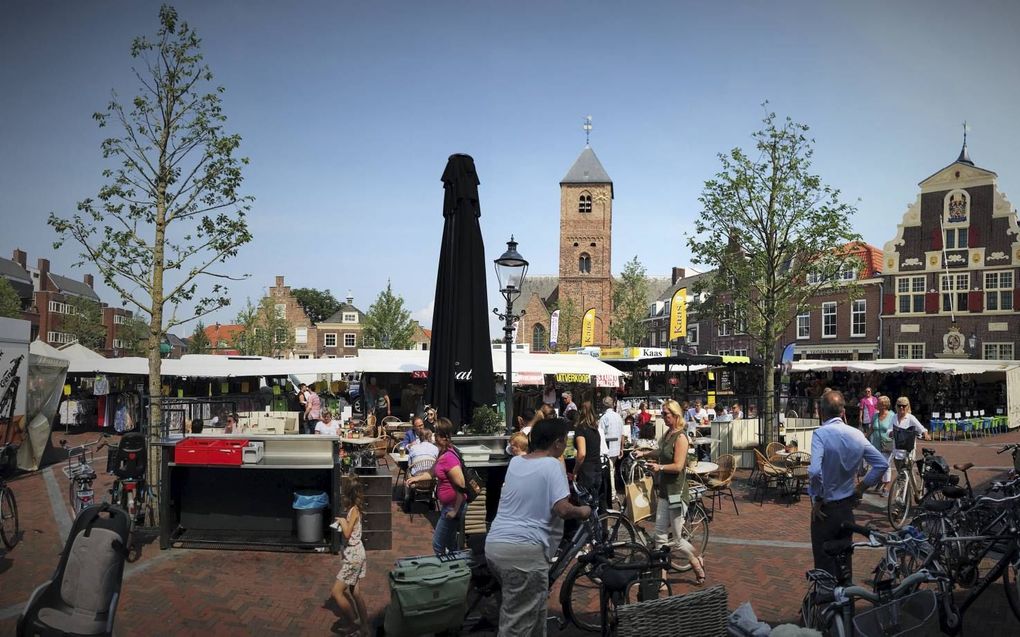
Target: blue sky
{"x": 348, "y": 111}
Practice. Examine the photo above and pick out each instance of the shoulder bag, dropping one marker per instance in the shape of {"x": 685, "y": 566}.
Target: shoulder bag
{"x": 473, "y": 484}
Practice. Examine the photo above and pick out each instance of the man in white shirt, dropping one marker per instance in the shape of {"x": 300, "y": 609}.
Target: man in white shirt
{"x": 611, "y": 426}
{"x": 569, "y": 407}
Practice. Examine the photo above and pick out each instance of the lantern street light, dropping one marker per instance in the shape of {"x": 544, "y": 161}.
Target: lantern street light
{"x": 511, "y": 269}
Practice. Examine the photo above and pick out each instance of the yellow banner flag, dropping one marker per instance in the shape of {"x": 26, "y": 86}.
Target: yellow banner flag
{"x": 588, "y": 328}
{"x": 678, "y": 315}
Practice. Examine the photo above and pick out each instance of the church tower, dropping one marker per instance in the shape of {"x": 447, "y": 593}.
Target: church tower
{"x": 586, "y": 231}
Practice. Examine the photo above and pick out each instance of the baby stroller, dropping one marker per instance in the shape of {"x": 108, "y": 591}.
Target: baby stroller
{"x": 82, "y": 596}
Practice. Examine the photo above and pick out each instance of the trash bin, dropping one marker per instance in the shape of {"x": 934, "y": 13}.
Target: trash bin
{"x": 308, "y": 506}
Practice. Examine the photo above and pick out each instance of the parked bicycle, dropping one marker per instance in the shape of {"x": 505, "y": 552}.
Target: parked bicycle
{"x": 80, "y": 472}
{"x": 912, "y": 488}
{"x": 130, "y": 490}
{"x": 8, "y": 504}
{"x": 627, "y": 581}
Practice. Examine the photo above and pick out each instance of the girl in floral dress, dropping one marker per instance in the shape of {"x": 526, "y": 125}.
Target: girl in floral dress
{"x": 345, "y": 589}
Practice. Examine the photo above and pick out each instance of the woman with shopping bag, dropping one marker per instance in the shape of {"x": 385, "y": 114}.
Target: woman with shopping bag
{"x": 670, "y": 468}
{"x": 587, "y": 443}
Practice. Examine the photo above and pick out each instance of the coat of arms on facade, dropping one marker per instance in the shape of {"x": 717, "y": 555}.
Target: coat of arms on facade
{"x": 957, "y": 209}
{"x": 952, "y": 342}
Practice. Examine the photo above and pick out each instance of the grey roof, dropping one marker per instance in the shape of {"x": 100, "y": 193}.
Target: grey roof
{"x": 686, "y": 282}
{"x": 176, "y": 341}
{"x": 76, "y": 288}
{"x": 964, "y": 157}
{"x": 587, "y": 170}
{"x": 544, "y": 286}
{"x": 18, "y": 277}
{"x": 656, "y": 286}
{"x": 338, "y": 316}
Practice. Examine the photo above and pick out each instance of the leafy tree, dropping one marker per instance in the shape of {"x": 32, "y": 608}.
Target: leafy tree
{"x": 630, "y": 304}
{"x": 388, "y": 323}
{"x": 264, "y": 332}
{"x": 318, "y": 305}
{"x": 570, "y": 325}
{"x": 134, "y": 332}
{"x": 778, "y": 224}
{"x": 171, "y": 212}
{"x": 84, "y": 321}
{"x": 10, "y": 302}
{"x": 199, "y": 341}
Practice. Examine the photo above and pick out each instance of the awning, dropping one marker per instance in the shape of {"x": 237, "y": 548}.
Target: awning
{"x": 894, "y": 366}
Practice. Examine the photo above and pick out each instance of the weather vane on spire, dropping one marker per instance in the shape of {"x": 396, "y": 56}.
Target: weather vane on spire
{"x": 966, "y": 127}
{"x": 587, "y": 130}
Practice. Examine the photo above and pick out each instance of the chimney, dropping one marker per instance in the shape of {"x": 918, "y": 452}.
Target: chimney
{"x": 89, "y": 281}
{"x": 350, "y": 298}
{"x": 279, "y": 281}
{"x": 678, "y": 273}
{"x": 43, "y": 265}
{"x": 21, "y": 258}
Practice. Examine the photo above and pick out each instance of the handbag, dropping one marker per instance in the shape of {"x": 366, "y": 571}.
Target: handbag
{"x": 639, "y": 501}
{"x": 904, "y": 438}
{"x": 473, "y": 484}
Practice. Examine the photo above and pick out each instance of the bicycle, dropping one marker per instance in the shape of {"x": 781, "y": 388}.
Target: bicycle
{"x": 829, "y": 604}
{"x": 696, "y": 521}
{"x": 625, "y": 583}
{"x": 8, "y": 507}
{"x": 130, "y": 491}
{"x": 904, "y": 491}
{"x": 80, "y": 472}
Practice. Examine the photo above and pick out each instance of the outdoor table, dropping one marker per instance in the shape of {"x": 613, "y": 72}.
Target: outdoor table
{"x": 359, "y": 441}
{"x": 703, "y": 467}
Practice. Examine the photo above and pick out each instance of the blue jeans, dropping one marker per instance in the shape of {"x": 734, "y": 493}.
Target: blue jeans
{"x": 445, "y": 536}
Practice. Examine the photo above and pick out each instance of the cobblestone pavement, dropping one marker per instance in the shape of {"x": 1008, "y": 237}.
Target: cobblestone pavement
{"x": 760, "y": 555}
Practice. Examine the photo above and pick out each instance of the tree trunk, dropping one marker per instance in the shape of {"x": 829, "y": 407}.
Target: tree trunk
{"x": 770, "y": 432}
{"x": 155, "y": 453}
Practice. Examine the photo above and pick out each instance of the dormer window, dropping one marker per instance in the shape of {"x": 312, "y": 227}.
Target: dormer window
{"x": 584, "y": 263}
{"x": 584, "y": 203}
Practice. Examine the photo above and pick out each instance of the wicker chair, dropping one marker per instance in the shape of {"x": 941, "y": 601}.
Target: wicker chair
{"x": 696, "y": 614}
{"x": 797, "y": 464}
{"x": 769, "y": 475}
{"x": 382, "y": 451}
{"x": 772, "y": 449}
{"x": 423, "y": 492}
{"x": 719, "y": 485}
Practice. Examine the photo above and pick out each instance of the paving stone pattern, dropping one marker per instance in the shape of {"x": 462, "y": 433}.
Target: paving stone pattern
{"x": 761, "y": 556}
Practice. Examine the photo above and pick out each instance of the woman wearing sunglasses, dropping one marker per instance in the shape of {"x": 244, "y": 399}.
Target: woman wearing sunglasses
{"x": 905, "y": 432}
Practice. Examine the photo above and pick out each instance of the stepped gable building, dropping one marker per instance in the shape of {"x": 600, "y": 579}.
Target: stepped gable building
{"x": 586, "y": 241}
{"x": 286, "y": 306}
{"x": 950, "y": 273}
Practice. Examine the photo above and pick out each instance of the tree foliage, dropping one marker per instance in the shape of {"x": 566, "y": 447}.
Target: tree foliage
{"x": 388, "y": 323}
{"x": 767, "y": 223}
{"x": 318, "y": 305}
{"x": 630, "y": 304}
{"x": 171, "y": 212}
{"x": 199, "y": 341}
{"x": 134, "y": 333}
{"x": 264, "y": 332}
{"x": 84, "y": 321}
{"x": 10, "y": 302}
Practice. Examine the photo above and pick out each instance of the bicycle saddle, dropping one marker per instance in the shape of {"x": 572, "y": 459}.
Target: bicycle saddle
{"x": 938, "y": 506}
{"x": 964, "y": 466}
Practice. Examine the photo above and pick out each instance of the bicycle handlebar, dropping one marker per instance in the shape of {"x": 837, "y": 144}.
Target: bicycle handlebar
{"x": 71, "y": 451}
{"x": 908, "y": 585}
{"x": 1010, "y": 447}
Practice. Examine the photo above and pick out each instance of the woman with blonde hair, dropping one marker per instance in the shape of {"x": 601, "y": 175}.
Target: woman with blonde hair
{"x": 670, "y": 465}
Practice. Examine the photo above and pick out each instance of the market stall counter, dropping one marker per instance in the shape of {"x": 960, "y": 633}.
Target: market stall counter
{"x": 238, "y": 491}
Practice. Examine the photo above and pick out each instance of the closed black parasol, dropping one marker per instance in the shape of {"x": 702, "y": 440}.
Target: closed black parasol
{"x": 460, "y": 360}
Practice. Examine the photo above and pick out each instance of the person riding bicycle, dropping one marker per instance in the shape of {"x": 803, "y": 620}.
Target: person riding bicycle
{"x": 525, "y": 533}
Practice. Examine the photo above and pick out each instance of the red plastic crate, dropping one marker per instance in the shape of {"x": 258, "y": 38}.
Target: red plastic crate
{"x": 209, "y": 451}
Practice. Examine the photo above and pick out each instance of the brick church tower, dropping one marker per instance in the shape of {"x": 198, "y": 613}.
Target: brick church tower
{"x": 586, "y": 239}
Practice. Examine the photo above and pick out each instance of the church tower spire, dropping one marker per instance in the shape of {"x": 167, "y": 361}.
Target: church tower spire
{"x": 964, "y": 157}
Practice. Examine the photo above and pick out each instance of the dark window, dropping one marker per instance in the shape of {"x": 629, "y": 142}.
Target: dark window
{"x": 538, "y": 340}
{"x": 584, "y": 263}
{"x": 584, "y": 203}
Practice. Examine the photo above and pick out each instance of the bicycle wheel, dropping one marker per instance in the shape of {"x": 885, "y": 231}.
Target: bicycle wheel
{"x": 8, "y": 517}
{"x": 1012, "y": 585}
{"x": 898, "y": 502}
{"x": 579, "y": 595}
{"x": 618, "y": 529}
{"x": 695, "y": 532}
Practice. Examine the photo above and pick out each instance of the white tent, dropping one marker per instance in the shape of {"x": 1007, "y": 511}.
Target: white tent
{"x": 892, "y": 366}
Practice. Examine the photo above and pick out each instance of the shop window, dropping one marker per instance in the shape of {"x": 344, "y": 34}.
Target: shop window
{"x": 910, "y": 294}
{"x": 909, "y": 350}
{"x": 954, "y": 288}
{"x": 804, "y": 325}
{"x": 584, "y": 202}
{"x": 584, "y": 263}
{"x": 998, "y": 351}
{"x": 693, "y": 332}
{"x": 999, "y": 291}
{"x": 329, "y": 340}
{"x": 538, "y": 338}
{"x": 829, "y": 320}
{"x": 858, "y": 317}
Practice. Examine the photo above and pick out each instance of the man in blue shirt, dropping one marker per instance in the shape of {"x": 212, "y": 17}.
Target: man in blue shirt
{"x": 837, "y": 450}
{"x": 415, "y": 433}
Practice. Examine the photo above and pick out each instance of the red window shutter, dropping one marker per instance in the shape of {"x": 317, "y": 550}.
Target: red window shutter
{"x": 936, "y": 239}
{"x": 931, "y": 303}
{"x": 973, "y": 237}
{"x": 889, "y": 304}
{"x": 1016, "y": 298}
{"x": 976, "y": 301}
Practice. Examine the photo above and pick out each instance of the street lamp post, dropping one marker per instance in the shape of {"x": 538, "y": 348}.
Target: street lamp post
{"x": 511, "y": 269}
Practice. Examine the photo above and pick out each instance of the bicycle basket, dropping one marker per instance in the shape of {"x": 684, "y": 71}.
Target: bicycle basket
{"x": 913, "y": 615}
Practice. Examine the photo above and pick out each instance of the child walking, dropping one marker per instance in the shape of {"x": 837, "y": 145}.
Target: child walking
{"x": 345, "y": 590}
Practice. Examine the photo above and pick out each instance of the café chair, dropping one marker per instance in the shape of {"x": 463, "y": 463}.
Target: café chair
{"x": 703, "y": 613}
{"x": 382, "y": 452}
{"x": 719, "y": 484}
{"x": 769, "y": 475}
{"x": 772, "y": 449}
{"x": 423, "y": 492}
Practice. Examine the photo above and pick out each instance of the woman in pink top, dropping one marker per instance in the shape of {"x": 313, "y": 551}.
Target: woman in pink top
{"x": 868, "y": 406}
{"x": 450, "y": 490}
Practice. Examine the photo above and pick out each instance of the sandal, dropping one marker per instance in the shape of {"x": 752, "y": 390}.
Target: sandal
{"x": 698, "y": 564}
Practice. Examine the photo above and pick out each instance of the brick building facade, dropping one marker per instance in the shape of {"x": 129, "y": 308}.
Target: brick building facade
{"x": 950, "y": 273}
{"x": 287, "y": 307}
{"x": 342, "y": 334}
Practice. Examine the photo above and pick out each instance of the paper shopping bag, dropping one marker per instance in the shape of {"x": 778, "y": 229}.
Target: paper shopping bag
{"x": 639, "y": 499}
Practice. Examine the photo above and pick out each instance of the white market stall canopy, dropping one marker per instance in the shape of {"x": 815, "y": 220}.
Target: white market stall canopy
{"x": 891, "y": 366}
{"x": 367, "y": 361}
